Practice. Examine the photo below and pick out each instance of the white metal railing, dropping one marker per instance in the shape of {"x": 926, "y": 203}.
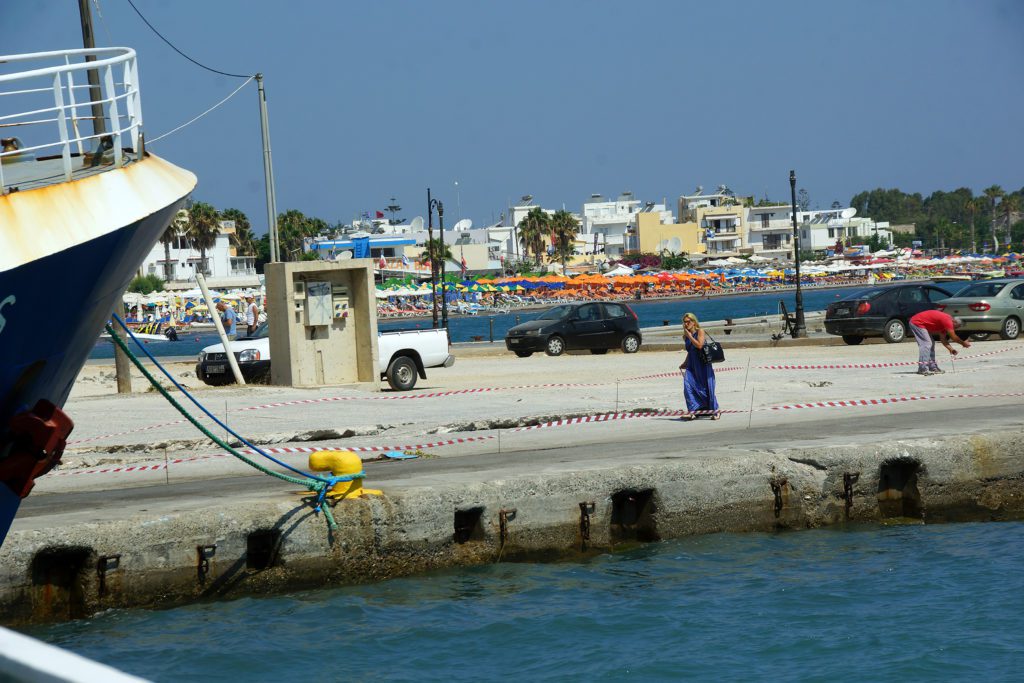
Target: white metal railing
{"x": 57, "y": 127}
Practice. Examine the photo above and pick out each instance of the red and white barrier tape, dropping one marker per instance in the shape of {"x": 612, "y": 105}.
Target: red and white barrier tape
{"x": 457, "y": 392}
{"x": 585, "y": 419}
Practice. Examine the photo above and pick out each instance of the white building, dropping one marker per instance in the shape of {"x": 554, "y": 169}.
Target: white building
{"x": 770, "y": 231}
{"x": 223, "y": 268}
{"x": 820, "y": 230}
{"x": 606, "y": 223}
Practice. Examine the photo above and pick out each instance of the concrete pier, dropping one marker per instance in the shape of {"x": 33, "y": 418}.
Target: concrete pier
{"x": 797, "y": 450}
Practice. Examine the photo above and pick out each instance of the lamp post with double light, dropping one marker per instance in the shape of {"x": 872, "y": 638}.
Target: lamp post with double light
{"x": 431, "y": 203}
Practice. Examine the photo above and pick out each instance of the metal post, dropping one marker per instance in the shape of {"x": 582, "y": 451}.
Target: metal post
{"x": 430, "y": 254}
{"x": 268, "y": 173}
{"x": 219, "y": 324}
{"x": 799, "y": 328}
{"x": 444, "y": 298}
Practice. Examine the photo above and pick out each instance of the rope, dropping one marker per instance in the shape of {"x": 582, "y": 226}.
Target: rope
{"x": 201, "y": 407}
{"x": 316, "y": 484}
{"x": 187, "y": 123}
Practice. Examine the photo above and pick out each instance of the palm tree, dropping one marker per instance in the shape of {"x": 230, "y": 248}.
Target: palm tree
{"x": 1010, "y": 205}
{"x": 564, "y": 229}
{"x": 292, "y": 229}
{"x": 971, "y": 206}
{"x": 177, "y": 227}
{"x": 436, "y": 251}
{"x": 993, "y": 193}
{"x": 532, "y": 229}
{"x": 203, "y": 229}
{"x": 243, "y": 238}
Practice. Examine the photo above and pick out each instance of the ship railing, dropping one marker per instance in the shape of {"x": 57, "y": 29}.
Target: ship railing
{"x": 50, "y": 128}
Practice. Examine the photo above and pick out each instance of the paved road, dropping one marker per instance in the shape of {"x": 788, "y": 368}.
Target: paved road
{"x": 505, "y": 411}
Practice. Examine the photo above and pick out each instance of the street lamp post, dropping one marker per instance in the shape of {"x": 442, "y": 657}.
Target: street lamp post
{"x": 430, "y": 253}
{"x": 799, "y": 327}
{"x": 444, "y": 298}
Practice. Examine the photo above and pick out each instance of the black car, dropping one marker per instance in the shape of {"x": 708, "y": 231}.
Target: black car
{"x": 597, "y": 326}
{"x": 881, "y": 311}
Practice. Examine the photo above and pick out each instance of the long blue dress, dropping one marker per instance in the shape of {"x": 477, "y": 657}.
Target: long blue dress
{"x": 699, "y": 381}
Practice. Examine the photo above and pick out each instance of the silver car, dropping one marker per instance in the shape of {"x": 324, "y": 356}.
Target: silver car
{"x": 989, "y": 306}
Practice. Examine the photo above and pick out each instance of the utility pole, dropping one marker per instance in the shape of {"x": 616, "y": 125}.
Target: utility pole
{"x": 268, "y": 172}
{"x": 99, "y": 124}
{"x": 122, "y": 365}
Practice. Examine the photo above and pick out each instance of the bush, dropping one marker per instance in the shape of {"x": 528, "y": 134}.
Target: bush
{"x": 145, "y": 284}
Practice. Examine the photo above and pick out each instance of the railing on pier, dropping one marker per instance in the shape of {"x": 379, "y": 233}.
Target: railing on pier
{"x": 50, "y": 107}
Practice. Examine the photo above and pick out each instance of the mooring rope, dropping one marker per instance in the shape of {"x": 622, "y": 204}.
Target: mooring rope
{"x": 318, "y": 485}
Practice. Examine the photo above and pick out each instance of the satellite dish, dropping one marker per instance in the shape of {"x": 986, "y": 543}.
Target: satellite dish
{"x": 343, "y": 256}
{"x": 417, "y": 224}
{"x": 848, "y": 213}
{"x": 674, "y": 245}
{"x": 463, "y": 225}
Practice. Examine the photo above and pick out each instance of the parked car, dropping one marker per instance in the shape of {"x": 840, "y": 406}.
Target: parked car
{"x": 989, "y": 306}
{"x": 403, "y": 356}
{"x": 252, "y": 354}
{"x": 881, "y": 311}
{"x": 597, "y": 326}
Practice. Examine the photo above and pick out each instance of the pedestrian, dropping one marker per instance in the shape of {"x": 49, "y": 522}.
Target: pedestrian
{"x": 928, "y": 323}
{"x": 229, "y": 318}
{"x": 698, "y": 375}
{"x": 252, "y": 314}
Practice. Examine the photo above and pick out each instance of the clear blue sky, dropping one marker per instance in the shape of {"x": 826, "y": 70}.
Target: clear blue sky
{"x": 560, "y": 99}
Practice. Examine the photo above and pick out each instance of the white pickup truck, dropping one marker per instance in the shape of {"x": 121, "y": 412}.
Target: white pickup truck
{"x": 403, "y": 356}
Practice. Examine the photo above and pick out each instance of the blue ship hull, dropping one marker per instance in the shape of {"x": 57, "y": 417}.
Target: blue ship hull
{"x": 67, "y": 253}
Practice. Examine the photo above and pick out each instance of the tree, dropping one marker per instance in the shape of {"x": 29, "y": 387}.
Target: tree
{"x": 293, "y": 227}
{"x": 1010, "y": 205}
{"x": 971, "y": 207}
{"x": 803, "y": 200}
{"x": 202, "y": 230}
{"x": 436, "y": 251}
{"x": 993, "y": 193}
{"x": 177, "y": 227}
{"x": 564, "y": 229}
{"x": 532, "y": 229}
{"x": 243, "y": 238}
{"x": 145, "y": 284}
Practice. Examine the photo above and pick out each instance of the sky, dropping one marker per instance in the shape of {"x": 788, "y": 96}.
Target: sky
{"x": 485, "y": 101}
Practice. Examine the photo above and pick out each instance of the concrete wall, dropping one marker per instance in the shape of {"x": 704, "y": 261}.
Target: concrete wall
{"x": 344, "y": 351}
{"x": 52, "y": 570}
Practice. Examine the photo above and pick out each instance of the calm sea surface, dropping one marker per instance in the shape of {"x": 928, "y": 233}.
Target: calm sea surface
{"x": 908, "y": 603}
{"x": 464, "y": 328}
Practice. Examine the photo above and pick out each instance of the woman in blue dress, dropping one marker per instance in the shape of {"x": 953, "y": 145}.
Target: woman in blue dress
{"x": 698, "y": 376}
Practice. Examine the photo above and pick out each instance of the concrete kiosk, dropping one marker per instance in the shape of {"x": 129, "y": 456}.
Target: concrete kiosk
{"x": 323, "y": 323}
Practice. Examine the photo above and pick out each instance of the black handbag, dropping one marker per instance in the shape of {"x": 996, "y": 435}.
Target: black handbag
{"x": 712, "y": 350}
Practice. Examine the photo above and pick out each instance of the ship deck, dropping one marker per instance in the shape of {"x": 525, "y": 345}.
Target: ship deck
{"x": 33, "y": 174}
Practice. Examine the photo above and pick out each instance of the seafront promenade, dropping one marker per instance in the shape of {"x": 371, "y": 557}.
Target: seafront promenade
{"x": 517, "y": 459}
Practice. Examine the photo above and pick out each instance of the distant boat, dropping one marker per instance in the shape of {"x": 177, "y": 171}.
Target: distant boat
{"x": 80, "y": 212}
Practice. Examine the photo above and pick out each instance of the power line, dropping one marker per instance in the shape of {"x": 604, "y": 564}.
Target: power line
{"x": 152, "y": 28}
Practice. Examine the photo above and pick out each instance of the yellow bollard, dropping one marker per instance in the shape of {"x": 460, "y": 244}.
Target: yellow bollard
{"x": 340, "y": 464}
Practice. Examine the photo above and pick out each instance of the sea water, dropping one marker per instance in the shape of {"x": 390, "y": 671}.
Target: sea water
{"x": 651, "y": 313}
{"x": 908, "y": 603}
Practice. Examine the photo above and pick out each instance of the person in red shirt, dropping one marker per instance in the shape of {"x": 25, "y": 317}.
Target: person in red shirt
{"x": 928, "y": 323}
